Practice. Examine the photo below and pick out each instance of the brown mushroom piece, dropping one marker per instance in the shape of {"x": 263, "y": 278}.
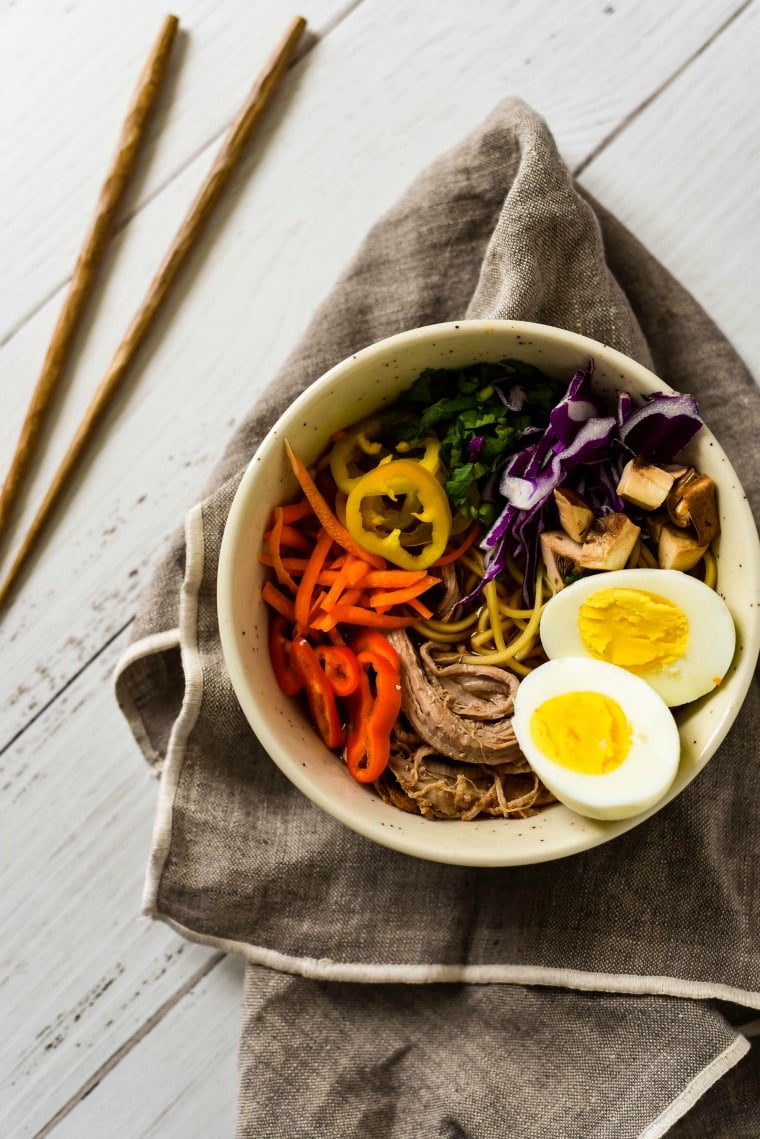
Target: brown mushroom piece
{"x": 693, "y": 501}
{"x": 678, "y": 549}
{"x": 575, "y": 514}
{"x": 561, "y": 557}
{"x": 609, "y": 543}
{"x": 644, "y": 484}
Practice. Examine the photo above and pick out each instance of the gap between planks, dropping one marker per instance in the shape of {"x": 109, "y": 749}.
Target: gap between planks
{"x": 140, "y": 1034}
{"x": 308, "y": 43}
{"x": 659, "y": 90}
{"x": 74, "y": 676}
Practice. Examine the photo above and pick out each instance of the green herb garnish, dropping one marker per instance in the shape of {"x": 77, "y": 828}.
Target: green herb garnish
{"x": 466, "y": 409}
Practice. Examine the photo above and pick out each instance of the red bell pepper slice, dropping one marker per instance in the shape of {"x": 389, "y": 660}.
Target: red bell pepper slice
{"x": 319, "y": 693}
{"x": 340, "y": 667}
{"x": 369, "y": 640}
{"x": 373, "y": 711}
{"x": 280, "y": 653}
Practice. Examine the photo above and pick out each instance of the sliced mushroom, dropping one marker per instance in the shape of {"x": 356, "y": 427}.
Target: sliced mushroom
{"x": 644, "y": 484}
{"x": 693, "y": 500}
{"x": 561, "y": 557}
{"x": 676, "y": 493}
{"x": 575, "y": 514}
{"x": 678, "y": 549}
{"x": 654, "y": 523}
{"x": 609, "y": 543}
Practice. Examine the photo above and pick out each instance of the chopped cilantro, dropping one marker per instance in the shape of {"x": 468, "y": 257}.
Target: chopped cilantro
{"x": 466, "y": 408}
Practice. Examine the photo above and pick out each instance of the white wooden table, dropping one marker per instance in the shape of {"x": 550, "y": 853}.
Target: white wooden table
{"x": 111, "y": 1026}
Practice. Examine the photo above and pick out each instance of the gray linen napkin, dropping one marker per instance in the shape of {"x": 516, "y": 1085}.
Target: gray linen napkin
{"x": 666, "y": 914}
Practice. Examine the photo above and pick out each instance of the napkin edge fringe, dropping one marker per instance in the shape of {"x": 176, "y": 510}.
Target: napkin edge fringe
{"x": 702, "y": 1082}
{"x": 189, "y": 712}
{"x": 326, "y": 969}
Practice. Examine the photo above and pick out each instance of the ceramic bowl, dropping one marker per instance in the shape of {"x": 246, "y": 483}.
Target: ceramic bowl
{"x": 354, "y": 388}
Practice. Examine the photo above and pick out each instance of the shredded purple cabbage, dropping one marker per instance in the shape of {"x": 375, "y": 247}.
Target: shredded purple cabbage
{"x": 662, "y": 427}
{"x": 583, "y": 449}
{"x": 474, "y": 448}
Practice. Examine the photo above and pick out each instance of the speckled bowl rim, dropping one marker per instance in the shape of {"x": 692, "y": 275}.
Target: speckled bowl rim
{"x": 336, "y": 400}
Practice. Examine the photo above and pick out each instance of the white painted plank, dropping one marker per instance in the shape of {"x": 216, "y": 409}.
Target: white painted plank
{"x": 80, "y": 971}
{"x": 366, "y": 109}
{"x": 686, "y": 183}
{"x": 185, "y": 1069}
{"x": 71, "y": 69}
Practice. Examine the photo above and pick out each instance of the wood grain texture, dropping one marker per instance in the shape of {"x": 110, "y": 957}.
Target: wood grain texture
{"x": 182, "y": 245}
{"x": 195, "y": 1046}
{"x": 88, "y": 263}
{"x": 81, "y": 972}
{"x": 95, "y": 1000}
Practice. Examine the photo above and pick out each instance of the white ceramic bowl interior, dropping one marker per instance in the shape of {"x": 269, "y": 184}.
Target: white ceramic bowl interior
{"x": 354, "y": 388}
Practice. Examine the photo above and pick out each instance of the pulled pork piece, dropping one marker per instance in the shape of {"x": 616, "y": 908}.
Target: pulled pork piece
{"x": 451, "y": 719}
{"x": 478, "y": 691}
{"x": 423, "y": 783}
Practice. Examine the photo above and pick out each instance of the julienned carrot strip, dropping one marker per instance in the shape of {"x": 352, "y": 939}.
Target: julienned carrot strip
{"x": 296, "y": 511}
{"x": 309, "y": 579}
{"x": 292, "y": 565}
{"x": 352, "y": 597}
{"x": 352, "y": 572}
{"x": 383, "y": 599}
{"x": 282, "y": 604}
{"x": 452, "y": 555}
{"x": 274, "y": 542}
{"x": 293, "y": 539}
{"x": 357, "y": 615}
{"x": 421, "y": 609}
{"x": 337, "y": 532}
{"x": 323, "y": 620}
{"x": 394, "y": 579}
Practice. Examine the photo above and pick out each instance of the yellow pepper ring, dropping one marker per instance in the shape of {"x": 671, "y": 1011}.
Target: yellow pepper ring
{"x": 430, "y": 459}
{"x": 349, "y": 450}
{"x": 377, "y": 529}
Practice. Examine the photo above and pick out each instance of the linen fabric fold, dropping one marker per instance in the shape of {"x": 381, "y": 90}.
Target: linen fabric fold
{"x": 486, "y": 1062}
{"x": 497, "y": 228}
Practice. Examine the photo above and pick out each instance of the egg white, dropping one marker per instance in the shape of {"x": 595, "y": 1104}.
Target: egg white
{"x": 712, "y": 636}
{"x": 650, "y": 766}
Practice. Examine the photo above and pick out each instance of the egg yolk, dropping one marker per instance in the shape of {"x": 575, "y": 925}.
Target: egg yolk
{"x": 633, "y": 628}
{"x": 585, "y": 731}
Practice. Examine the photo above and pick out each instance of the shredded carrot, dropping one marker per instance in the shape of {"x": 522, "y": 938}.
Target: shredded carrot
{"x": 383, "y": 599}
{"x": 452, "y": 555}
{"x": 309, "y": 579}
{"x": 282, "y": 604}
{"x": 351, "y": 572}
{"x": 293, "y": 539}
{"x": 420, "y": 608}
{"x": 358, "y": 615}
{"x": 275, "y": 541}
{"x": 292, "y": 565}
{"x": 334, "y": 528}
{"x": 394, "y": 579}
{"x": 297, "y": 511}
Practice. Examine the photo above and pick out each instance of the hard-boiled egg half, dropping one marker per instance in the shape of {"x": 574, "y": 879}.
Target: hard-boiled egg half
{"x": 599, "y": 738}
{"x": 664, "y": 626}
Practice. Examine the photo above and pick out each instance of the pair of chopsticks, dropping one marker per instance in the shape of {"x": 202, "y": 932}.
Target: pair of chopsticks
{"x": 91, "y": 256}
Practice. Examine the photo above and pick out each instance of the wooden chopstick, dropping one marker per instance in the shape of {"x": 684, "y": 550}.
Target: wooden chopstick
{"x": 133, "y": 132}
{"x": 241, "y": 130}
